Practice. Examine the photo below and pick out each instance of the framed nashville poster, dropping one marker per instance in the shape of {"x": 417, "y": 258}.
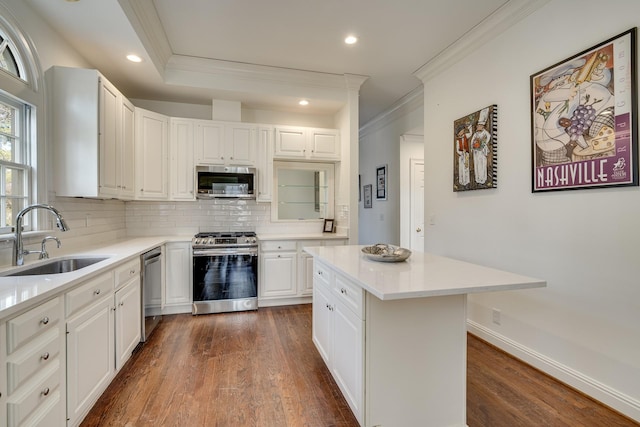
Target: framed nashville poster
{"x": 584, "y": 130}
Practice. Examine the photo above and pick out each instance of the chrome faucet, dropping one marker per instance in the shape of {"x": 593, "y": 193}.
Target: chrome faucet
{"x": 18, "y": 249}
{"x": 43, "y": 252}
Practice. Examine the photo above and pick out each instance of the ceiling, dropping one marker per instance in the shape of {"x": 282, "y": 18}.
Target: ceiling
{"x": 266, "y": 54}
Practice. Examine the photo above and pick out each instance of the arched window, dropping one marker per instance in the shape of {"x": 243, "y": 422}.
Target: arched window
{"x": 9, "y": 61}
{"x": 18, "y": 124}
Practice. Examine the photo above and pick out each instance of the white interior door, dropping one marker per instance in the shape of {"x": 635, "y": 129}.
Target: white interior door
{"x": 417, "y": 205}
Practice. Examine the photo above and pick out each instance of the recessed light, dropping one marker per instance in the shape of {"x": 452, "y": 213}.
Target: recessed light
{"x": 351, "y": 40}
{"x": 303, "y": 102}
{"x": 134, "y": 58}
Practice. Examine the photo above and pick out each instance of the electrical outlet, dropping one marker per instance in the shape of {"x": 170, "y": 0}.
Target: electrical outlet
{"x": 496, "y": 316}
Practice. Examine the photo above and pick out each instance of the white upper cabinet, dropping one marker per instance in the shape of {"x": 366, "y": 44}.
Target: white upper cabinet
{"x": 181, "y": 159}
{"x": 293, "y": 142}
{"x": 264, "y": 164}
{"x": 92, "y": 135}
{"x": 233, "y": 144}
{"x": 151, "y": 155}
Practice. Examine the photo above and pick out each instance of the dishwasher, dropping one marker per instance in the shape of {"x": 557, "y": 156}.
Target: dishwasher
{"x": 151, "y": 290}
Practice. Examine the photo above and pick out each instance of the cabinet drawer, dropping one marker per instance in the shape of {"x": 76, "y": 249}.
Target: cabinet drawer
{"x": 24, "y": 404}
{"x": 351, "y": 294}
{"x": 89, "y": 292}
{"x": 127, "y": 271}
{"x": 35, "y": 321}
{"x": 321, "y": 273}
{"x": 278, "y": 245}
{"x": 32, "y": 358}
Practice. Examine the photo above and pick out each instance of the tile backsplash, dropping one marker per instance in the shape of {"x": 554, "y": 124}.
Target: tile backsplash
{"x": 103, "y": 221}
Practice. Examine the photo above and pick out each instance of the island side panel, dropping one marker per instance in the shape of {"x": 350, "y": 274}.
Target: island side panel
{"x": 416, "y": 361}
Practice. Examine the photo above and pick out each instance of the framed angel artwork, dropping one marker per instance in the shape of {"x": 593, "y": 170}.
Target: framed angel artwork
{"x": 475, "y": 144}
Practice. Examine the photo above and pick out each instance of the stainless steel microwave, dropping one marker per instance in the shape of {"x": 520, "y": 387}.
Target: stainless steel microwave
{"x": 226, "y": 181}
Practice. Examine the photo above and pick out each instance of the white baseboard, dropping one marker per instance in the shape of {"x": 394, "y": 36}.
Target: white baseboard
{"x": 264, "y": 302}
{"x": 589, "y": 386}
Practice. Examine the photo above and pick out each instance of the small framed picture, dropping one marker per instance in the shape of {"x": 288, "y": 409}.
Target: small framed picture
{"x": 381, "y": 182}
{"x": 367, "y": 190}
{"x": 328, "y": 226}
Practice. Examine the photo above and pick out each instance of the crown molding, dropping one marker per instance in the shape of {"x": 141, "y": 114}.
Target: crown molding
{"x": 144, "y": 19}
{"x": 243, "y": 77}
{"x": 507, "y": 15}
{"x": 354, "y": 81}
{"x": 405, "y": 105}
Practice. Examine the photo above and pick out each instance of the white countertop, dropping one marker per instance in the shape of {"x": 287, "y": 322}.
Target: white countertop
{"x": 19, "y": 292}
{"x": 422, "y": 275}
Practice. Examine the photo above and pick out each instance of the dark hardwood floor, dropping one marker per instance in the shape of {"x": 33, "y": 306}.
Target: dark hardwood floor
{"x": 261, "y": 369}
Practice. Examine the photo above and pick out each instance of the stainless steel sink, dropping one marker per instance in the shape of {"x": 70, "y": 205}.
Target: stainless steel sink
{"x": 56, "y": 266}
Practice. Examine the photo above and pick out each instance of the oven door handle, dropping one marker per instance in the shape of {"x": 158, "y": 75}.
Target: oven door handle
{"x": 208, "y": 252}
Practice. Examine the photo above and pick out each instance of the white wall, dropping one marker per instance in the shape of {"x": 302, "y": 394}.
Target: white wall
{"x": 584, "y": 327}
{"x": 89, "y": 220}
{"x": 380, "y": 144}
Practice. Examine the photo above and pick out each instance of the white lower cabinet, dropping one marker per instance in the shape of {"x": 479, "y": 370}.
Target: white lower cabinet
{"x": 103, "y": 328}
{"x": 178, "y": 277}
{"x": 338, "y": 332}
{"x": 32, "y": 373}
{"x": 278, "y": 269}
{"x": 90, "y": 357}
{"x": 286, "y": 270}
{"x": 127, "y": 318}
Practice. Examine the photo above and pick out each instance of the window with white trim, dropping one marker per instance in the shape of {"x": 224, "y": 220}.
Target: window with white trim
{"x": 16, "y": 142}
{"x": 15, "y": 169}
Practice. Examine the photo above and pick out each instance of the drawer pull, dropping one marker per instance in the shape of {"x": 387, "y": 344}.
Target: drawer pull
{"x": 122, "y": 303}
{"x": 45, "y": 392}
{"x": 96, "y": 292}
{"x": 45, "y": 356}
{"x": 45, "y": 320}
{"x": 132, "y": 272}
{"x": 343, "y": 291}
{"x": 319, "y": 273}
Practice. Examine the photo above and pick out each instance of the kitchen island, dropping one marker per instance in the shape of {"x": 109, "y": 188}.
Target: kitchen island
{"x": 393, "y": 335}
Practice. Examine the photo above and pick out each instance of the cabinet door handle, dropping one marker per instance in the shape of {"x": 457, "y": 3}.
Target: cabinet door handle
{"x": 45, "y": 320}
{"x": 45, "y": 356}
{"x": 121, "y": 303}
{"x": 96, "y": 292}
{"x": 343, "y": 291}
{"x": 45, "y": 392}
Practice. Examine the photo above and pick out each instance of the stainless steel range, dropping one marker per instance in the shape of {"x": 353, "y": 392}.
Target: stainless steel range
{"x": 225, "y": 272}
